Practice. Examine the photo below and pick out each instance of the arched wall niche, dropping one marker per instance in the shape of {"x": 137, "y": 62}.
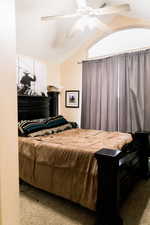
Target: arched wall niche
{"x": 120, "y": 41}
{"x": 119, "y": 23}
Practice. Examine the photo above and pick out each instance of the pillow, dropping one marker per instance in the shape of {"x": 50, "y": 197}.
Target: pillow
{"x": 27, "y": 126}
{"x": 55, "y": 121}
{"x": 51, "y": 130}
{"x": 74, "y": 124}
{"x": 40, "y": 120}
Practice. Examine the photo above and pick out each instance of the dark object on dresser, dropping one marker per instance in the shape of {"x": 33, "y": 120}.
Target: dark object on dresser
{"x": 32, "y": 107}
{"x": 53, "y": 103}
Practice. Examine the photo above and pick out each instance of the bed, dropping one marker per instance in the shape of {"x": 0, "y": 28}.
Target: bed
{"x": 93, "y": 168}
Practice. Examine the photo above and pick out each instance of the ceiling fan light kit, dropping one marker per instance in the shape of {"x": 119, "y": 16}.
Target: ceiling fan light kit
{"x": 88, "y": 16}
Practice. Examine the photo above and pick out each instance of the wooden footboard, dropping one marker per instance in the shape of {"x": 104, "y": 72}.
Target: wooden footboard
{"x": 143, "y": 140}
{"x": 117, "y": 171}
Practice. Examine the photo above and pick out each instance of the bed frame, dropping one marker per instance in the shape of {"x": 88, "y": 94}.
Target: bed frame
{"x": 117, "y": 173}
{"x": 117, "y": 170}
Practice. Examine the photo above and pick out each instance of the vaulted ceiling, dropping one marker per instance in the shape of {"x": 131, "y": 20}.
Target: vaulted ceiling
{"x": 50, "y": 40}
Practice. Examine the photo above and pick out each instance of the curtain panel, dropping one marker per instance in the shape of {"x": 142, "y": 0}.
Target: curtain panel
{"x": 115, "y": 93}
{"x": 100, "y": 94}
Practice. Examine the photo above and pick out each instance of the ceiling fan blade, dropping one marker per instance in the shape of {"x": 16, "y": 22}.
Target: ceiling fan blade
{"x": 57, "y": 17}
{"x": 89, "y": 23}
{"x": 113, "y": 9}
{"x": 81, "y": 4}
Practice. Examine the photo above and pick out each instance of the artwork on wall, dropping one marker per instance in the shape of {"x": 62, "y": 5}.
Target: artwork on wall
{"x": 72, "y": 99}
{"x": 31, "y": 77}
{"x": 24, "y": 87}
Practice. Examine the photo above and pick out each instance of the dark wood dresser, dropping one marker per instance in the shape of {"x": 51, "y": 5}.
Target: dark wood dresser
{"x": 32, "y": 107}
{"x": 53, "y": 103}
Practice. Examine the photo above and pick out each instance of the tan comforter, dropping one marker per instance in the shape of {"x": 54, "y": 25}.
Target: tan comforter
{"x": 64, "y": 163}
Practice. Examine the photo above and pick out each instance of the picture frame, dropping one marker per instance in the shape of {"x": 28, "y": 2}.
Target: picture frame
{"x": 72, "y": 98}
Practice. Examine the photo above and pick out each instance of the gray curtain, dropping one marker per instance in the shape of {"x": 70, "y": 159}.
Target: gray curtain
{"x": 100, "y": 94}
{"x": 115, "y": 93}
{"x": 134, "y": 86}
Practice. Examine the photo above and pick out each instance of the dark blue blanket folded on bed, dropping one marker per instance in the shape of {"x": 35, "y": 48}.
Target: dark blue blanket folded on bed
{"x": 26, "y": 127}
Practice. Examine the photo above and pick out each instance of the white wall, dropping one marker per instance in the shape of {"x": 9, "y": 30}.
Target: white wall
{"x": 53, "y": 71}
{"x": 53, "y": 78}
{"x": 9, "y": 188}
{"x": 121, "y": 41}
{"x": 71, "y": 79}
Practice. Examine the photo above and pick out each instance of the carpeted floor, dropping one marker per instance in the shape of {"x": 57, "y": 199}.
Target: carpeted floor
{"x": 41, "y": 208}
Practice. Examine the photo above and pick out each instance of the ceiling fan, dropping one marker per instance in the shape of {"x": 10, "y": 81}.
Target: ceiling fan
{"x": 88, "y": 16}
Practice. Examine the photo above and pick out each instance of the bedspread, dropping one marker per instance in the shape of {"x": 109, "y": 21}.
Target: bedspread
{"x": 64, "y": 163}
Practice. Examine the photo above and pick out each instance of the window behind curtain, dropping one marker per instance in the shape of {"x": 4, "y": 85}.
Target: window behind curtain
{"x": 116, "y": 93}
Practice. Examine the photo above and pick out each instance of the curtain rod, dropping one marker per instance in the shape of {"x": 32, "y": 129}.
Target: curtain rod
{"x": 117, "y": 54}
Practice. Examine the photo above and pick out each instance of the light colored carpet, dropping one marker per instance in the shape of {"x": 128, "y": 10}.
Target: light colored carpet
{"x": 41, "y": 208}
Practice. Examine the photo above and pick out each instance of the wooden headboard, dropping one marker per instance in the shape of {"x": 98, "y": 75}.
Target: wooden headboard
{"x": 32, "y": 107}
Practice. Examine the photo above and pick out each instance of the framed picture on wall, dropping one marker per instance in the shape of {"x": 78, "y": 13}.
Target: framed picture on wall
{"x": 72, "y": 99}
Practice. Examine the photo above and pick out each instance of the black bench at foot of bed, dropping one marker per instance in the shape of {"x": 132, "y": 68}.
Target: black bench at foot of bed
{"x": 117, "y": 173}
